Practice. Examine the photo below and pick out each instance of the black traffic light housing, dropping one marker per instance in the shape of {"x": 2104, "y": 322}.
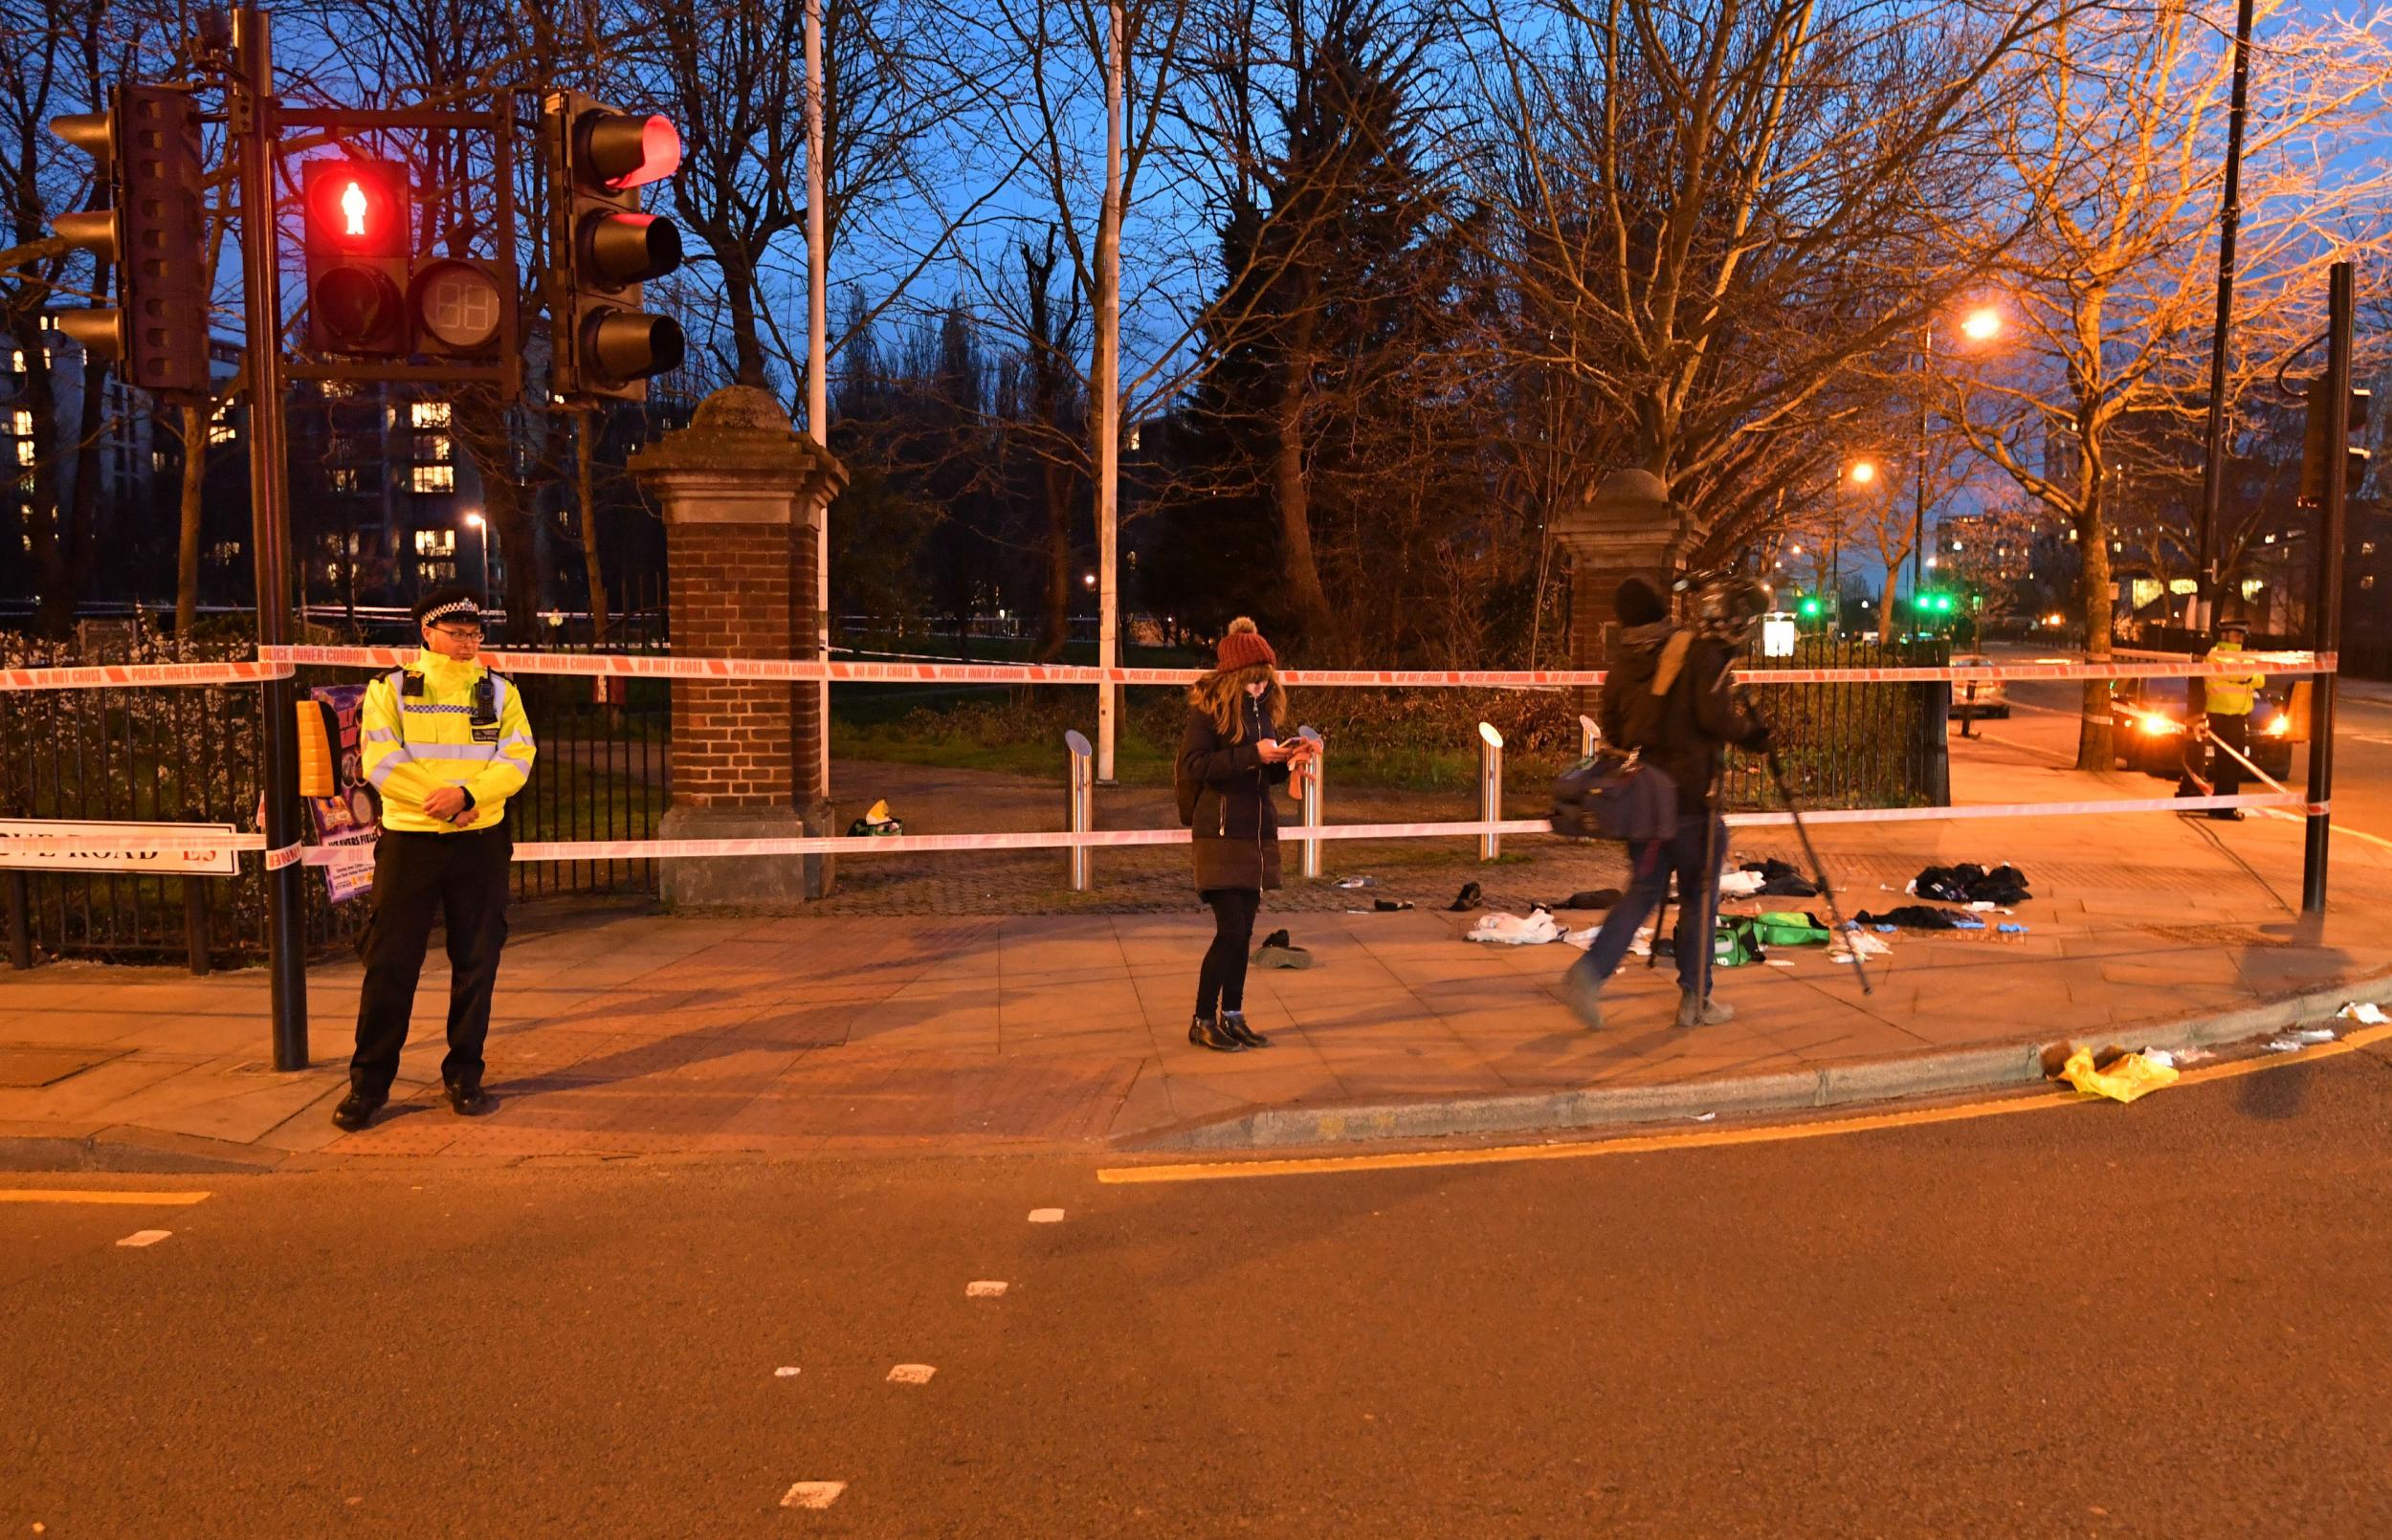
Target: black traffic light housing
{"x": 359, "y": 253}
{"x": 145, "y": 151}
{"x": 601, "y": 246}
{"x": 2317, "y": 423}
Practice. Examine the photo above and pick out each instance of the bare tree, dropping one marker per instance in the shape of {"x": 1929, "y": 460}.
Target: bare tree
{"x": 2112, "y": 154}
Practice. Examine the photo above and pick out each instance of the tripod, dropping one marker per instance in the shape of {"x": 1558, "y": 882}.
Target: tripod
{"x": 1818, "y": 868}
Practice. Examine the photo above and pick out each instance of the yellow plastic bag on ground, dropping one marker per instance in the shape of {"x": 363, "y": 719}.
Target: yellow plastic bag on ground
{"x": 2129, "y": 1076}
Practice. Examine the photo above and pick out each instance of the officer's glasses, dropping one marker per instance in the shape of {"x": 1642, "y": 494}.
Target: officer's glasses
{"x": 459, "y": 632}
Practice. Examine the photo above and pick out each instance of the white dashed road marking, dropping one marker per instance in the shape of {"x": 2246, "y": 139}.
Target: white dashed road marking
{"x": 985, "y": 1288}
{"x": 144, "y": 1238}
{"x": 911, "y": 1375}
{"x": 1046, "y": 1215}
{"x": 812, "y": 1494}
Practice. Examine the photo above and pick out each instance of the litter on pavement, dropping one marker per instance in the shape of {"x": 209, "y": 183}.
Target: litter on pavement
{"x": 1511, "y": 930}
{"x": 2366, "y": 1012}
{"x": 878, "y": 821}
{"x": 1357, "y": 881}
{"x": 2126, "y": 1077}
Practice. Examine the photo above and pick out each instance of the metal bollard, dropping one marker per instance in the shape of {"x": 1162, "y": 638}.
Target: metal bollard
{"x": 1589, "y": 736}
{"x": 1080, "y": 814}
{"x": 1490, "y": 788}
{"x": 1309, "y": 806}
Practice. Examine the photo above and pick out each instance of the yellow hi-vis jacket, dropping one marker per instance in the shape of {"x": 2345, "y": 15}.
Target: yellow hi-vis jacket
{"x": 2231, "y": 697}
{"x": 418, "y": 739}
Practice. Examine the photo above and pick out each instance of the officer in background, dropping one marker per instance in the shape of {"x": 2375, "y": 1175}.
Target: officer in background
{"x": 2227, "y": 701}
{"x": 446, "y": 745}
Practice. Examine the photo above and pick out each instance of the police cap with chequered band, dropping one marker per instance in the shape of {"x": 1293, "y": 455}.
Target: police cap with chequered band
{"x": 447, "y": 607}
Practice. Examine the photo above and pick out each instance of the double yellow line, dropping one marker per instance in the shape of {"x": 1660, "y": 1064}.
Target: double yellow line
{"x": 1705, "y": 1139}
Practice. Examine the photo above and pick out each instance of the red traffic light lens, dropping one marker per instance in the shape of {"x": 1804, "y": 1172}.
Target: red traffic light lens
{"x": 622, "y": 151}
{"x": 358, "y": 207}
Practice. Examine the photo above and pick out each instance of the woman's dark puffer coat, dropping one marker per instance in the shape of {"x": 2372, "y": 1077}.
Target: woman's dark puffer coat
{"x": 1235, "y": 824}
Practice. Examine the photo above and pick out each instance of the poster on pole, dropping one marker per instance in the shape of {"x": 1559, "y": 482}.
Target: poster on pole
{"x": 348, "y": 821}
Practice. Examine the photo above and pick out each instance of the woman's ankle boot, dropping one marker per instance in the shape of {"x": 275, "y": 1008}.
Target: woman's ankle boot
{"x": 1233, "y": 1023}
{"x": 1208, "y": 1032}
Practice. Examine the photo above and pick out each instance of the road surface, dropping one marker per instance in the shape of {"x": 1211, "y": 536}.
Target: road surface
{"x": 2162, "y": 1320}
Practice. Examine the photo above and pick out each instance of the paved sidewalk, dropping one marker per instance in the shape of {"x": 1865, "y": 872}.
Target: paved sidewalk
{"x": 625, "y": 1033}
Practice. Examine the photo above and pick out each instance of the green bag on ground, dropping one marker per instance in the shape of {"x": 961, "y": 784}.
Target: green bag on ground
{"x": 1733, "y": 944}
{"x": 1785, "y": 929}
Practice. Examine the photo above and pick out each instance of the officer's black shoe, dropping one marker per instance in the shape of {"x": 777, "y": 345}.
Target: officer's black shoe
{"x": 356, "y": 1110}
{"x": 467, "y": 1098}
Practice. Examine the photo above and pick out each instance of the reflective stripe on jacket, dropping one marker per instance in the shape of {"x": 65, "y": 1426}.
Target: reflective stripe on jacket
{"x": 414, "y": 744}
{"x": 2231, "y": 697}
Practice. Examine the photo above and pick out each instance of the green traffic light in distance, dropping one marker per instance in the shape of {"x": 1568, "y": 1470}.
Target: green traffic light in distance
{"x": 1812, "y": 606}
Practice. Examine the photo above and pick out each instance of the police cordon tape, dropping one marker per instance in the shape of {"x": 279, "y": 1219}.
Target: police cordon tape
{"x": 162, "y": 837}
{"x": 838, "y": 671}
{"x": 120, "y": 675}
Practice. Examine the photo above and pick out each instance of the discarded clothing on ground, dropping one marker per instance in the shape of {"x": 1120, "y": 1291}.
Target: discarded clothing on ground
{"x": 1778, "y": 880}
{"x": 1592, "y": 898}
{"x": 1389, "y": 906}
{"x": 1912, "y": 918}
{"x": 1278, "y": 952}
{"x": 1468, "y": 898}
{"x": 1511, "y": 930}
{"x": 1739, "y": 884}
{"x": 2122, "y": 1079}
{"x": 1970, "y": 883}
{"x": 1781, "y": 927}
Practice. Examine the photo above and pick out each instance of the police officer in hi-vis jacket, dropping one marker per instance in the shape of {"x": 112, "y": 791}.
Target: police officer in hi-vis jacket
{"x": 446, "y": 744}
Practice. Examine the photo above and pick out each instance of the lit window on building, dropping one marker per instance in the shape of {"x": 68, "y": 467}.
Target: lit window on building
{"x": 434, "y": 447}
{"x": 220, "y": 427}
{"x": 24, "y": 452}
{"x": 432, "y": 479}
{"x": 436, "y": 571}
{"x": 428, "y": 414}
{"x": 435, "y": 543}
{"x": 21, "y": 423}
{"x": 345, "y": 478}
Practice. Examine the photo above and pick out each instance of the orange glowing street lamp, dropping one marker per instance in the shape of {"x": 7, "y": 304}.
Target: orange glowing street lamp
{"x": 1981, "y": 325}
{"x": 1861, "y": 473}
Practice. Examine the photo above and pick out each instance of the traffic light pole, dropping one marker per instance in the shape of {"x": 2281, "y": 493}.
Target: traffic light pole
{"x": 268, "y": 491}
{"x": 2331, "y": 528}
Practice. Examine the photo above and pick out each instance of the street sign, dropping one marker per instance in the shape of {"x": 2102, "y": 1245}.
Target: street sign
{"x": 124, "y": 850}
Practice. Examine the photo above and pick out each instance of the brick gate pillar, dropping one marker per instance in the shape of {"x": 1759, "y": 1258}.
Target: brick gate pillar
{"x": 1626, "y": 527}
{"x": 745, "y": 497}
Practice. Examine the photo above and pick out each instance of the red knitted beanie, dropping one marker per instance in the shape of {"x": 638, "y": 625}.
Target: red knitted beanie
{"x": 1243, "y": 647}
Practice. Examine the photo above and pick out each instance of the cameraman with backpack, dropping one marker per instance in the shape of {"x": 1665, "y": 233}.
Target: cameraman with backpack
{"x": 1668, "y": 696}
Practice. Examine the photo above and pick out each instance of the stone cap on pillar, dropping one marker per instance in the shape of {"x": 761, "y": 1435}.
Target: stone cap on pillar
{"x": 739, "y": 442}
{"x": 1630, "y": 505}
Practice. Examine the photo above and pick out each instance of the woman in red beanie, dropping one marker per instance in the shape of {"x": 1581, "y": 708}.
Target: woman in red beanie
{"x": 1230, "y": 756}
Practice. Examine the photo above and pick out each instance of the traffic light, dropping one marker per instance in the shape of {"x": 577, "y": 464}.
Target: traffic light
{"x": 2318, "y": 423}
{"x": 145, "y": 152}
{"x": 458, "y": 307}
{"x": 1812, "y": 606}
{"x": 358, "y": 252}
{"x": 601, "y": 246}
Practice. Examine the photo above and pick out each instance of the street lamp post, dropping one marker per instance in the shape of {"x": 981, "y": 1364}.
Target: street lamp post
{"x": 482, "y": 526}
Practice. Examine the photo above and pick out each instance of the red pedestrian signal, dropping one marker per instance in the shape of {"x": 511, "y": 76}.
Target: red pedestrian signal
{"x": 601, "y": 246}
{"x": 358, "y": 250}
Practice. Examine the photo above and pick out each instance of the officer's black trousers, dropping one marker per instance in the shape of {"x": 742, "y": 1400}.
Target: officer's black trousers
{"x": 462, "y": 879}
